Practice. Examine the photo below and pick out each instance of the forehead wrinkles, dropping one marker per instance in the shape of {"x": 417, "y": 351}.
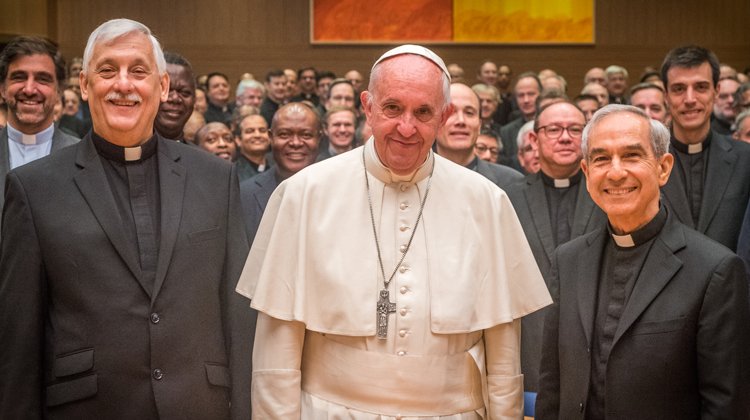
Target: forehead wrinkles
{"x": 407, "y": 71}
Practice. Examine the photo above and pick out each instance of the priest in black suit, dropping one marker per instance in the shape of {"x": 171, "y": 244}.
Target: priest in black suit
{"x": 457, "y": 138}
{"x": 650, "y": 316}
{"x": 553, "y": 207}
{"x": 710, "y": 187}
{"x": 115, "y": 272}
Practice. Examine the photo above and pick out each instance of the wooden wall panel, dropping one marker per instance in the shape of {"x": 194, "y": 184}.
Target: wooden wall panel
{"x": 237, "y": 36}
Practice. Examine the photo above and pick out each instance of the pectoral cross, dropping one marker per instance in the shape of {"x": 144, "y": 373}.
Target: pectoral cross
{"x": 384, "y": 308}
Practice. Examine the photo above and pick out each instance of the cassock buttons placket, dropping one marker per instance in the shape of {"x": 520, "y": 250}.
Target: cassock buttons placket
{"x": 155, "y": 318}
{"x": 403, "y": 228}
{"x": 158, "y": 374}
{"x": 403, "y": 206}
{"x": 403, "y": 290}
{"x": 404, "y": 187}
{"x": 403, "y": 311}
{"x": 402, "y": 248}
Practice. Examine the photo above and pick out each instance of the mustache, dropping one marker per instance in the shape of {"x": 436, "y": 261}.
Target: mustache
{"x": 116, "y": 96}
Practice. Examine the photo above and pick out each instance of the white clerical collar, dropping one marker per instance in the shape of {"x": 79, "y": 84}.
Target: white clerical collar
{"x": 376, "y": 167}
{"x": 624, "y": 241}
{"x": 694, "y": 148}
{"x": 562, "y": 183}
{"x": 31, "y": 139}
{"x": 132, "y": 153}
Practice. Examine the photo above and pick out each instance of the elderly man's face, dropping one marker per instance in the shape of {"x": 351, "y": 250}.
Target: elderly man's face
{"x": 341, "y": 94}
{"x": 340, "y": 129}
{"x": 617, "y": 83}
{"x": 294, "y": 138}
{"x": 175, "y": 111}
{"x": 724, "y": 104}
{"x": 589, "y": 107}
{"x": 623, "y": 175}
{"x": 291, "y": 82}
{"x": 406, "y": 111}
{"x": 596, "y": 75}
{"x": 251, "y": 96}
{"x": 488, "y": 104}
{"x": 742, "y": 132}
{"x": 560, "y": 153}
{"x": 355, "y": 78}
{"x": 528, "y": 155}
{"x": 690, "y": 94}
{"x": 254, "y": 140}
{"x": 651, "y": 101}
{"x": 124, "y": 89}
{"x": 31, "y": 91}
{"x": 598, "y": 91}
{"x": 461, "y": 130}
{"x": 526, "y": 92}
{"x": 215, "y": 138}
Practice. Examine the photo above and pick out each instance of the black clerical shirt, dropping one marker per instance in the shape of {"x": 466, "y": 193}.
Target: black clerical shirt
{"x": 623, "y": 259}
{"x": 562, "y": 197}
{"x": 133, "y": 178}
{"x": 690, "y": 164}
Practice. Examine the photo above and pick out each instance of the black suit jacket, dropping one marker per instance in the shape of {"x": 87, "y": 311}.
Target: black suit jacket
{"x": 530, "y": 202}
{"x": 500, "y": 175}
{"x": 254, "y": 195}
{"x": 680, "y": 347}
{"x": 509, "y": 137}
{"x": 82, "y": 336}
{"x": 59, "y": 140}
{"x": 725, "y": 193}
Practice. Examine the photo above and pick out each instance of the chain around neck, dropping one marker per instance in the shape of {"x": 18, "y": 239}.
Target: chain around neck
{"x": 386, "y": 282}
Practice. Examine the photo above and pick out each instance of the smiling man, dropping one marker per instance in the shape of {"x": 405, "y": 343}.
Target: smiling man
{"x": 217, "y": 139}
{"x": 710, "y": 187}
{"x": 30, "y": 73}
{"x": 390, "y": 265}
{"x": 553, "y": 206}
{"x": 253, "y": 144}
{"x": 457, "y": 138}
{"x": 176, "y": 110}
{"x": 122, "y": 260}
{"x": 650, "y": 317}
{"x": 339, "y": 125}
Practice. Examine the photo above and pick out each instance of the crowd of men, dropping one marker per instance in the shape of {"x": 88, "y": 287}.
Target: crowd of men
{"x": 496, "y": 244}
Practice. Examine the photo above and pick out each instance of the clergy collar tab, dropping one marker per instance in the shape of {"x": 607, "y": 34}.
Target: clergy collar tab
{"x": 121, "y": 154}
{"x": 31, "y": 139}
{"x": 691, "y": 149}
{"x": 561, "y": 182}
{"x": 643, "y": 234}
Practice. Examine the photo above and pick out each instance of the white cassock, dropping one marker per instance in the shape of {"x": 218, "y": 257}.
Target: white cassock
{"x": 453, "y": 345}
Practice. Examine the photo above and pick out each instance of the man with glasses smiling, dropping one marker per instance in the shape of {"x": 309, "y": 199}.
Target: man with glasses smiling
{"x": 554, "y": 207}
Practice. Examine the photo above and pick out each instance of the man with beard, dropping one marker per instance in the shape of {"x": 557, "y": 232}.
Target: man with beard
{"x": 176, "y": 110}
{"x": 31, "y": 69}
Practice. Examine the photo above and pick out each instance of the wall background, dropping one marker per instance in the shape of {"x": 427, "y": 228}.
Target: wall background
{"x": 237, "y": 36}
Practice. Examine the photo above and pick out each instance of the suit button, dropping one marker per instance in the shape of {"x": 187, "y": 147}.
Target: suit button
{"x": 155, "y": 318}
{"x": 580, "y": 407}
{"x": 403, "y": 206}
{"x": 157, "y": 374}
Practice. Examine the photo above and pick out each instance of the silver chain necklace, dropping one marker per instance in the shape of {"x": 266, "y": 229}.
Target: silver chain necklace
{"x": 384, "y": 306}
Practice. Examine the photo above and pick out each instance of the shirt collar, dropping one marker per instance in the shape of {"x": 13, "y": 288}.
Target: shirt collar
{"x": 43, "y": 136}
{"x": 381, "y": 172}
{"x": 643, "y": 234}
{"x": 121, "y": 154}
{"x": 691, "y": 149}
{"x": 561, "y": 182}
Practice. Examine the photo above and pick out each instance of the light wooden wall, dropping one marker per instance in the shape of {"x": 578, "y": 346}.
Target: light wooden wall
{"x": 237, "y": 36}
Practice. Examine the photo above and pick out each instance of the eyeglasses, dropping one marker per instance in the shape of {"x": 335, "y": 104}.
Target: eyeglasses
{"x": 554, "y": 131}
{"x": 481, "y": 148}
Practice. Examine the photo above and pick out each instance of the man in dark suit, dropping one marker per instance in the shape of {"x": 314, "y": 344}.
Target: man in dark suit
{"x": 176, "y": 110}
{"x": 553, "y": 207}
{"x": 115, "y": 272}
{"x": 711, "y": 184}
{"x": 525, "y": 91}
{"x": 295, "y": 135}
{"x": 650, "y": 317}
{"x": 31, "y": 69}
{"x": 457, "y": 138}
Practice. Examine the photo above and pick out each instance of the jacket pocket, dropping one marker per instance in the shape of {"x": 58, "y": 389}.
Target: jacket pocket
{"x": 218, "y": 375}
{"x": 204, "y": 235}
{"x": 72, "y": 363}
{"x": 72, "y": 390}
{"x": 657, "y": 327}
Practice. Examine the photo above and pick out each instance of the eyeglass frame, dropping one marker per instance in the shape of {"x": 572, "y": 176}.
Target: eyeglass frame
{"x": 563, "y": 129}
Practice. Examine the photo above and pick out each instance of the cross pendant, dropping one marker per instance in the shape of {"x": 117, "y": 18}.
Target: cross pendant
{"x": 383, "y": 309}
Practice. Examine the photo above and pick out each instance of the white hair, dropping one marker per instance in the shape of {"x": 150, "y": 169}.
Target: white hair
{"x": 116, "y": 28}
{"x": 527, "y": 127}
{"x": 658, "y": 133}
{"x": 249, "y": 84}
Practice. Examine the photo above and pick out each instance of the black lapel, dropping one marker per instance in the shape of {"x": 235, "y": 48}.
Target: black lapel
{"x": 539, "y": 209}
{"x": 659, "y": 268}
{"x": 673, "y": 194}
{"x": 585, "y": 207}
{"x": 4, "y": 162}
{"x": 587, "y": 280}
{"x": 92, "y": 182}
{"x": 267, "y": 185}
{"x": 719, "y": 168}
{"x": 172, "y": 192}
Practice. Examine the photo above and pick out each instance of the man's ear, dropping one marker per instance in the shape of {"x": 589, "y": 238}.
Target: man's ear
{"x": 83, "y": 82}
{"x": 164, "y": 85}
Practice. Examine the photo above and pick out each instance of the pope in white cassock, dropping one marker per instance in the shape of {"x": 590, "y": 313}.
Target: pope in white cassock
{"x": 389, "y": 281}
